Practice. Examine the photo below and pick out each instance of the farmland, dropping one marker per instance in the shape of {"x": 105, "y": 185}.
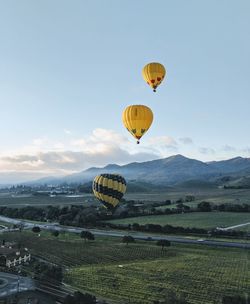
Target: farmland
{"x": 203, "y": 275}
{"x": 40, "y": 201}
{"x": 206, "y": 220}
{"x": 213, "y": 195}
{"x": 142, "y": 272}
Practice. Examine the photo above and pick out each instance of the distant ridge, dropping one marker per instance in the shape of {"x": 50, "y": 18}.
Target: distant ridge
{"x": 168, "y": 171}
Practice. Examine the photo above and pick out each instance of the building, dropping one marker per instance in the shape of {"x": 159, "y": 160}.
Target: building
{"x": 11, "y": 255}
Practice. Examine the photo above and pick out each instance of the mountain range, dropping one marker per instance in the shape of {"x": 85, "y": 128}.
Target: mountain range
{"x": 168, "y": 171}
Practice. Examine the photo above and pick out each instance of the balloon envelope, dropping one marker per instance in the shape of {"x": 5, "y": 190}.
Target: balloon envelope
{"x": 109, "y": 189}
{"x": 137, "y": 119}
{"x": 154, "y": 73}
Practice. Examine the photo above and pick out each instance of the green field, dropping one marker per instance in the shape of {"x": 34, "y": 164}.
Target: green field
{"x": 40, "y": 201}
{"x": 203, "y": 275}
{"x": 206, "y": 220}
{"x": 243, "y": 228}
{"x": 142, "y": 272}
{"x": 213, "y": 195}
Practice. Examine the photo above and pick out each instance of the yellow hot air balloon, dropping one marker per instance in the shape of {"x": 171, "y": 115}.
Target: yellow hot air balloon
{"x": 137, "y": 119}
{"x": 109, "y": 189}
{"x": 153, "y": 73}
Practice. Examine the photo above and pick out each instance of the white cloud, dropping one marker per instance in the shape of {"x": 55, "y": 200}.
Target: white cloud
{"x": 205, "y": 150}
{"x": 45, "y": 156}
{"x": 40, "y": 141}
{"x": 228, "y": 148}
{"x": 98, "y": 149}
{"x": 186, "y": 140}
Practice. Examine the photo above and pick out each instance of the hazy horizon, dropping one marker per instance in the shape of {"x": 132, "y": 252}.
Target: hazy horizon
{"x": 13, "y": 178}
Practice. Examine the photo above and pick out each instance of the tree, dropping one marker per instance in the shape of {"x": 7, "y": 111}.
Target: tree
{"x": 55, "y": 233}
{"x": 234, "y": 300}
{"x": 45, "y": 272}
{"x": 80, "y": 298}
{"x": 87, "y": 235}
{"x": 69, "y": 300}
{"x": 189, "y": 198}
{"x": 204, "y": 207}
{"x": 36, "y": 229}
{"x": 128, "y": 239}
{"x": 163, "y": 243}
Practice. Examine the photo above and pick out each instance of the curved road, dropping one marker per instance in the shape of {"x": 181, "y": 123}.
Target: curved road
{"x": 14, "y": 284}
{"x": 142, "y": 236}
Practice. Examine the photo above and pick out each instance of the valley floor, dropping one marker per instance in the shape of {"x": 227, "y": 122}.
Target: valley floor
{"x": 206, "y": 220}
{"x": 142, "y": 272}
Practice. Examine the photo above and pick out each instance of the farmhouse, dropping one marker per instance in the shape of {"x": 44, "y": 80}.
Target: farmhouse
{"x": 11, "y": 255}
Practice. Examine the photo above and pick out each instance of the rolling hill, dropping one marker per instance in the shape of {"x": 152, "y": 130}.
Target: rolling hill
{"x": 169, "y": 171}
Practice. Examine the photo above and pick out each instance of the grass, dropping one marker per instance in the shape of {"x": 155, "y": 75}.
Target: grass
{"x": 206, "y": 220}
{"x": 244, "y": 228}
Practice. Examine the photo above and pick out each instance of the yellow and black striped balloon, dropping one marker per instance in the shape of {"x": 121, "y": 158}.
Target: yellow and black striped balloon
{"x": 109, "y": 189}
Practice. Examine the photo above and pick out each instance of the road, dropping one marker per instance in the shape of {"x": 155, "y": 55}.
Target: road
{"x": 14, "y": 283}
{"x": 139, "y": 236}
{"x": 236, "y": 226}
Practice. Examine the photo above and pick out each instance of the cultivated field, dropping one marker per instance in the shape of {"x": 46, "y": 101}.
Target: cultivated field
{"x": 213, "y": 195}
{"x": 206, "y": 220}
{"x": 40, "y": 201}
{"x": 142, "y": 272}
{"x": 203, "y": 275}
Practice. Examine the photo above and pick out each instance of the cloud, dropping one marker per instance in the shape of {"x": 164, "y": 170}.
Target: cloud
{"x": 40, "y": 141}
{"x": 48, "y": 156}
{"x": 67, "y": 162}
{"x": 228, "y": 148}
{"x": 246, "y": 150}
{"x": 205, "y": 150}
{"x": 186, "y": 140}
{"x": 162, "y": 144}
{"x": 100, "y": 148}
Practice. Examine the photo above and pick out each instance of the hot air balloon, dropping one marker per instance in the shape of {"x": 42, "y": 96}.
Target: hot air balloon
{"x": 137, "y": 119}
{"x": 109, "y": 189}
{"x": 153, "y": 73}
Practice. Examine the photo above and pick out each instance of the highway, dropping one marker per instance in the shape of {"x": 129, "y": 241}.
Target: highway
{"x": 139, "y": 236}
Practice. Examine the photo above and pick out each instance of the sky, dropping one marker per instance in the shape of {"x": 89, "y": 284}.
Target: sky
{"x": 69, "y": 68}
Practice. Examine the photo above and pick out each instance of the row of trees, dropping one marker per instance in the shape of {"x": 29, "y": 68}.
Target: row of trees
{"x": 162, "y": 243}
{"x": 88, "y": 236}
{"x": 208, "y": 207}
{"x": 85, "y": 234}
{"x": 168, "y": 229}
{"x": 92, "y": 216}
